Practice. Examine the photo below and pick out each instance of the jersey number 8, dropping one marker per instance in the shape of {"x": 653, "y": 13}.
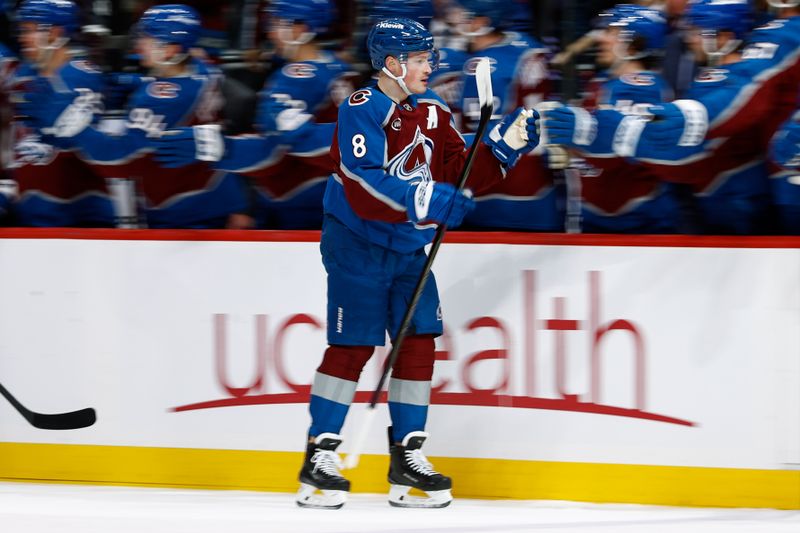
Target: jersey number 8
{"x": 359, "y": 146}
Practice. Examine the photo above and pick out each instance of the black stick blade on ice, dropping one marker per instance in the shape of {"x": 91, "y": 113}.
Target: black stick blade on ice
{"x": 72, "y": 420}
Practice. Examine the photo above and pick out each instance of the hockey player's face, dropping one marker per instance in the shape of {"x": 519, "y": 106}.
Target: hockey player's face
{"x": 33, "y": 38}
{"x": 418, "y": 69}
{"x": 609, "y": 43}
{"x": 153, "y": 52}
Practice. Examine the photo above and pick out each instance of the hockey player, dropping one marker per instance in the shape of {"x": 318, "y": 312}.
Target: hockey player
{"x": 180, "y": 90}
{"x": 529, "y": 198}
{"x": 55, "y": 187}
{"x": 618, "y": 195}
{"x": 397, "y": 153}
{"x": 764, "y": 102}
{"x": 289, "y": 159}
{"x": 726, "y": 176}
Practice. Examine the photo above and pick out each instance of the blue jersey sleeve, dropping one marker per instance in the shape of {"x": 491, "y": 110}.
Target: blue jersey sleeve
{"x": 157, "y": 104}
{"x": 362, "y": 147}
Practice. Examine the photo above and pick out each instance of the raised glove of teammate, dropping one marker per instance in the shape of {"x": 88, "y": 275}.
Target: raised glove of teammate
{"x": 184, "y": 146}
{"x": 785, "y": 146}
{"x": 61, "y": 113}
{"x": 438, "y": 202}
{"x": 279, "y": 112}
{"x": 680, "y": 123}
{"x": 514, "y": 136}
{"x": 569, "y": 126}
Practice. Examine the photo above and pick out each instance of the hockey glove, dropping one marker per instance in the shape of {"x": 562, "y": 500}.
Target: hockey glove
{"x": 32, "y": 151}
{"x": 184, "y": 146}
{"x": 569, "y": 126}
{"x": 785, "y": 146}
{"x": 680, "y": 123}
{"x": 438, "y": 202}
{"x": 279, "y": 113}
{"x": 514, "y": 136}
{"x": 62, "y": 113}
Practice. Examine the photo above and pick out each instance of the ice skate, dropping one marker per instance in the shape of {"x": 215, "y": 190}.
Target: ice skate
{"x": 409, "y": 468}
{"x": 321, "y": 484}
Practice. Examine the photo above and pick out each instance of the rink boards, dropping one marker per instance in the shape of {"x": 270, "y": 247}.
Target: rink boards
{"x": 629, "y": 369}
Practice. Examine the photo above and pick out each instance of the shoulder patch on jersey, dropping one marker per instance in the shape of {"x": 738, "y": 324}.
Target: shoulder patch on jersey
{"x": 86, "y": 66}
{"x": 760, "y": 51}
{"x": 639, "y": 79}
{"x": 359, "y": 97}
{"x": 472, "y": 63}
{"x": 163, "y": 89}
{"x": 299, "y": 70}
{"x": 711, "y": 75}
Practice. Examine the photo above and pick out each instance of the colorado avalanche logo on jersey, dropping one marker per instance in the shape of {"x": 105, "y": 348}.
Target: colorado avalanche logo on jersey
{"x": 639, "y": 79}
{"x": 360, "y": 97}
{"x": 412, "y": 163}
{"x": 300, "y": 70}
{"x": 163, "y": 89}
{"x": 472, "y": 63}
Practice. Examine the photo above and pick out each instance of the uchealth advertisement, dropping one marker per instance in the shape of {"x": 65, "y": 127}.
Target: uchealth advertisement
{"x": 587, "y": 354}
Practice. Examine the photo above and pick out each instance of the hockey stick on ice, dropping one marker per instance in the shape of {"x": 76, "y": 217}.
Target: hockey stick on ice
{"x": 72, "y": 420}
{"x": 483, "y": 80}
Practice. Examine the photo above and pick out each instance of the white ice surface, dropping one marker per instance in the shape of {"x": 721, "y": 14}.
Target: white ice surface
{"x": 33, "y": 508}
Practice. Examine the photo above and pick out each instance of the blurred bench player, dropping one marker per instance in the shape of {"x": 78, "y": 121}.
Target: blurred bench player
{"x": 56, "y": 188}
{"x": 288, "y": 160}
{"x": 617, "y": 194}
{"x": 179, "y": 90}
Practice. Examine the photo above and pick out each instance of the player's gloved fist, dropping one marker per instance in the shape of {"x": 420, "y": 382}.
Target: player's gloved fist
{"x": 679, "y": 123}
{"x": 785, "y": 146}
{"x": 514, "y": 136}
{"x": 438, "y": 202}
{"x": 184, "y": 146}
{"x": 279, "y": 112}
{"x": 570, "y": 126}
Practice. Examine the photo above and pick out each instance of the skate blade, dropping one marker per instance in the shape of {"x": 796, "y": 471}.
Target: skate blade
{"x": 309, "y": 496}
{"x": 399, "y": 497}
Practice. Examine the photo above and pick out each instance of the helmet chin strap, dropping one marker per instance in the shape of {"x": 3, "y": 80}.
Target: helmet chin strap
{"x": 462, "y": 30}
{"x": 290, "y": 44}
{"x": 399, "y": 79}
{"x": 45, "y": 48}
{"x": 157, "y": 56}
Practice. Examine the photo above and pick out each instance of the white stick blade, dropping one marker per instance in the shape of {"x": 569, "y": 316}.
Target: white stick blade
{"x": 483, "y": 79}
{"x": 351, "y": 461}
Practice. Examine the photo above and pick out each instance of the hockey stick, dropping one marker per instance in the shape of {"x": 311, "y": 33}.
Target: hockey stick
{"x": 483, "y": 80}
{"x": 72, "y": 420}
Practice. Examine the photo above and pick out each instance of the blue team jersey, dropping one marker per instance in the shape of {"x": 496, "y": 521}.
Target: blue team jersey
{"x": 290, "y": 173}
{"x": 520, "y": 77}
{"x": 528, "y": 198}
{"x": 726, "y": 175}
{"x": 191, "y": 196}
{"x": 56, "y": 188}
{"x": 381, "y": 149}
{"x": 618, "y": 194}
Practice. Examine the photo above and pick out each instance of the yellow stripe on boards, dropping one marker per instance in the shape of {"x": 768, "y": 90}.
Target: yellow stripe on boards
{"x": 473, "y": 478}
